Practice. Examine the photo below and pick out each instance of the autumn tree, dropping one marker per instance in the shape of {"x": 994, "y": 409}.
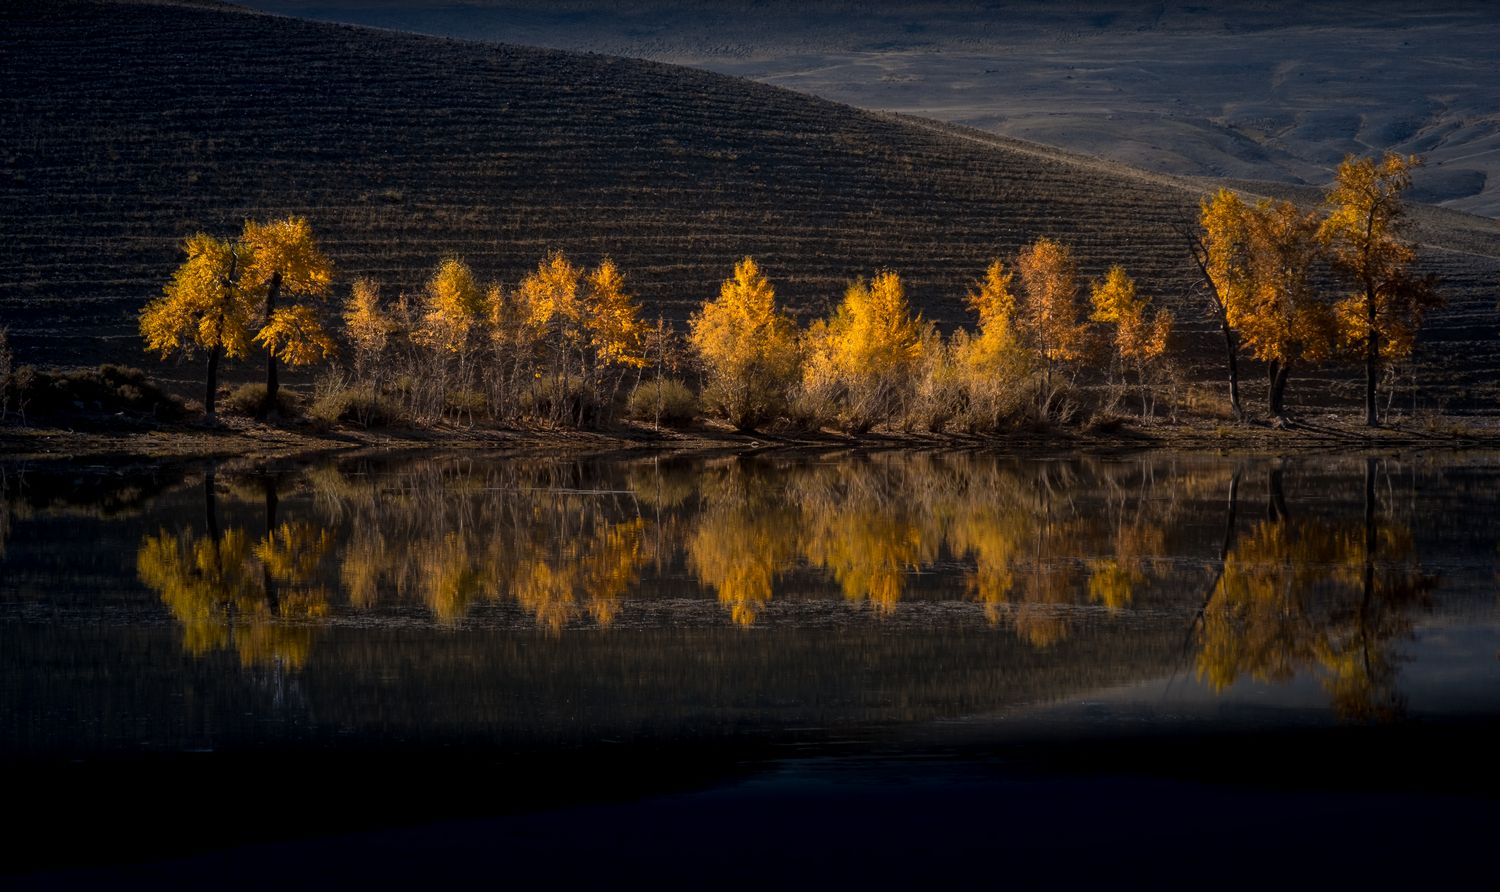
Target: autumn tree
{"x": 992, "y": 363}
{"x": 550, "y": 309}
{"x": 1139, "y": 342}
{"x": 367, "y": 327}
{"x": 453, "y": 316}
{"x": 284, "y": 261}
{"x": 866, "y": 353}
{"x": 1221, "y": 249}
{"x": 206, "y": 306}
{"x": 1049, "y": 314}
{"x": 1277, "y": 310}
{"x": 748, "y": 348}
{"x": 1379, "y": 318}
{"x": 616, "y": 335}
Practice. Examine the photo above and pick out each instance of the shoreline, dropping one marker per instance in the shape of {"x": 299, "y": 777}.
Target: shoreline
{"x": 247, "y": 440}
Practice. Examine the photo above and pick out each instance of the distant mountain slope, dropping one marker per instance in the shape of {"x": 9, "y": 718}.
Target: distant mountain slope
{"x": 1274, "y": 90}
{"x": 124, "y": 127}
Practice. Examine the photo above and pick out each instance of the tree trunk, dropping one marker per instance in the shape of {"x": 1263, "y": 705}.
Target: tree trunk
{"x": 212, "y": 393}
{"x": 273, "y": 597}
{"x": 1234, "y": 369}
{"x": 273, "y": 291}
{"x": 1372, "y": 360}
{"x": 211, "y": 504}
{"x": 1276, "y": 402}
{"x": 1276, "y": 497}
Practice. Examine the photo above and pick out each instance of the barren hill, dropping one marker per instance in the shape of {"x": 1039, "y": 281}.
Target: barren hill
{"x": 126, "y": 126}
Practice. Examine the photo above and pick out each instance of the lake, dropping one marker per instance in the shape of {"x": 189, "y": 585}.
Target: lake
{"x": 327, "y": 660}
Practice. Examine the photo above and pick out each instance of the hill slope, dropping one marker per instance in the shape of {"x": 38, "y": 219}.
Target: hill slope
{"x": 124, "y": 127}
{"x": 1272, "y": 90}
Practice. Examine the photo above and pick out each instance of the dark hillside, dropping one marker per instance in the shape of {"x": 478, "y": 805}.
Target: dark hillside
{"x": 124, "y": 127}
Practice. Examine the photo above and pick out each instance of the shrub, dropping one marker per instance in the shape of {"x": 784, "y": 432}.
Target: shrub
{"x": 559, "y": 400}
{"x": 354, "y": 405}
{"x": 250, "y": 400}
{"x": 664, "y": 399}
{"x": 107, "y": 390}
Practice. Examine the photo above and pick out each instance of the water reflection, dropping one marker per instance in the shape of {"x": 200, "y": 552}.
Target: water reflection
{"x": 232, "y": 591}
{"x": 1039, "y": 547}
{"x": 1327, "y": 593}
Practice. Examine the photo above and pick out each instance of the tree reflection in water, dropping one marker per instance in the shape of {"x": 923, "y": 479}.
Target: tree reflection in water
{"x": 1040, "y": 546}
{"x": 1330, "y": 594}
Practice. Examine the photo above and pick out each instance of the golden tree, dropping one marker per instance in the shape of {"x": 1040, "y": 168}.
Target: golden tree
{"x": 993, "y": 363}
{"x": 1379, "y": 319}
{"x": 1276, "y": 308}
{"x": 867, "y": 352}
{"x": 616, "y": 335}
{"x": 1221, "y": 248}
{"x": 454, "y": 307}
{"x": 550, "y": 309}
{"x": 206, "y": 306}
{"x": 748, "y": 348}
{"x": 284, "y": 259}
{"x": 1138, "y": 342}
{"x": 367, "y": 327}
{"x": 1049, "y": 313}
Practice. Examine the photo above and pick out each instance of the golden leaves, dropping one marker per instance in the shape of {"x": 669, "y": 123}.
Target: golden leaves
{"x": 295, "y": 336}
{"x": 748, "y": 346}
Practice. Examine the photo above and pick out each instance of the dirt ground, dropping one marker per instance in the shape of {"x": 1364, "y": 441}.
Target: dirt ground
{"x": 239, "y": 438}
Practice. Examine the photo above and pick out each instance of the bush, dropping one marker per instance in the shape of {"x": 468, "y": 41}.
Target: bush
{"x": 107, "y": 390}
{"x": 667, "y": 399}
{"x": 559, "y": 400}
{"x": 354, "y": 405}
{"x": 250, "y": 400}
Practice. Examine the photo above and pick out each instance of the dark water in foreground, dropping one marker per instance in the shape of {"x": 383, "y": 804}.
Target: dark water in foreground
{"x": 296, "y": 651}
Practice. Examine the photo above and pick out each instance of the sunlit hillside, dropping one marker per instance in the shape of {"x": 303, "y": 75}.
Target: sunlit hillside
{"x": 126, "y": 126}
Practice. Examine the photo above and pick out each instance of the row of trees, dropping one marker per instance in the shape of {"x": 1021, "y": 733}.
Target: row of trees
{"x": 565, "y": 343}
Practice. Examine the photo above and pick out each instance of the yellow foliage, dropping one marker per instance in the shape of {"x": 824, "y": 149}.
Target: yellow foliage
{"x": 866, "y": 353}
{"x": 366, "y": 325}
{"x": 454, "y": 307}
{"x": 1049, "y": 312}
{"x": 616, "y": 332}
{"x": 1362, "y": 234}
{"x": 1117, "y": 302}
{"x": 1276, "y": 307}
{"x": 205, "y": 305}
{"x": 285, "y": 252}
{"x": 991, "y": 366}
{"x": 296, "y": 337}
{"x": 748, "y": 347}
{"x": 550, "y": 297}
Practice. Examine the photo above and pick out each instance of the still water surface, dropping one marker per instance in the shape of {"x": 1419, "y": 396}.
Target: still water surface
{"x": 797, "y": 601}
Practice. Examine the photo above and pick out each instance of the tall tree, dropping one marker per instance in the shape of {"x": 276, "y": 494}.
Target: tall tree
{"x": 1050, "y": 314}
{"x": 1279, "y": 313}
{"x": 748, "y": 348}
{"x": 1221, "y": 248}
{"x": 205, "y": 307}
{"x": 615, "y": 332}
{"x": 1138, "y": 341}
{"x": 991, "y": 364}
{"x": 1380, "y": 317}
{"x": 868, "y": 350}
{"x": 284, "y": 259}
